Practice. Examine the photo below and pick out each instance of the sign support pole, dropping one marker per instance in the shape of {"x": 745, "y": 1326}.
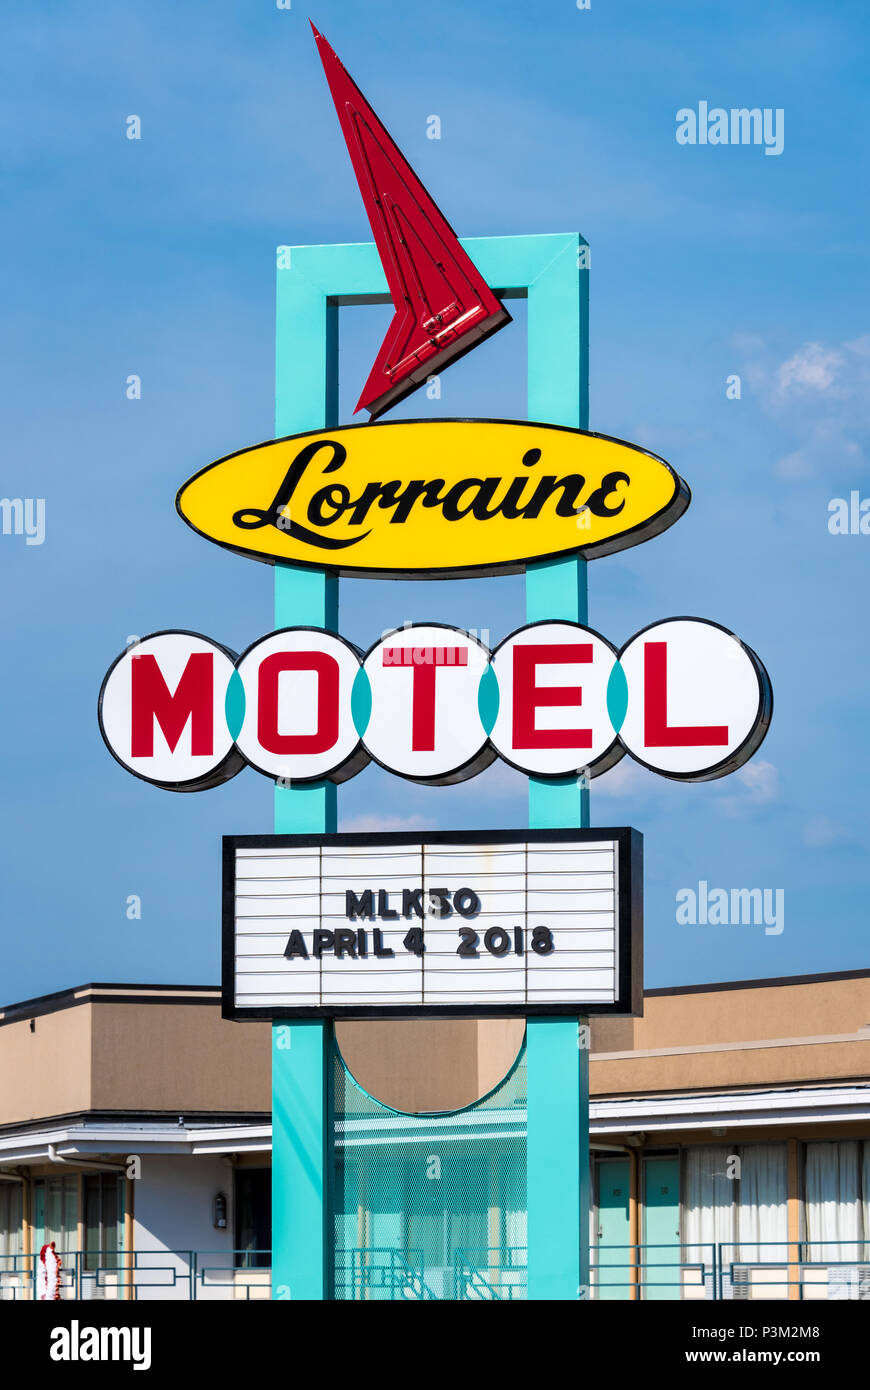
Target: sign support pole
{"x": 306, "y": 388}
{"x": 557, "y": 1052}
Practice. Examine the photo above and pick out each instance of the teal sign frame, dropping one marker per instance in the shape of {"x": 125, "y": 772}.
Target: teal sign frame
{"x": 314, "y": 282}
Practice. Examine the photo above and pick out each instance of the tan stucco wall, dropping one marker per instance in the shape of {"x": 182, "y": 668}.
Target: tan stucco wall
{"x": 183, "y": 1057}
{"x": 422, "y": 1066}
{"x": 764, "y": 1011}
{"x": 715, "y": 1070}
{"x": 47, "y": 1071}
{"x": 178, "y": 1057}
{"x": 822, "y": 1010}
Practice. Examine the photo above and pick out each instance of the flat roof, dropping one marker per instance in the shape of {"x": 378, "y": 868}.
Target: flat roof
{"x": 115, "y": 993}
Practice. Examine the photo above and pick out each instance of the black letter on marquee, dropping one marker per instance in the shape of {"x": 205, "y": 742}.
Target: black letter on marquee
{"x": 466, "y": 902}
{"x": 411, "y": 901}
{"x": 387, "y": 913}
{"x": 296, "y": 946}
{"x": 345, "y": 940}
{"x": 362, "y": 906}
{"x": 323, "y": 941}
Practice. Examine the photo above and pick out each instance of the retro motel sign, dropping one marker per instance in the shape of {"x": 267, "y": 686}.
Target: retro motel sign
{"x": 431, "y": 703}
{"x": 543, "y": 922}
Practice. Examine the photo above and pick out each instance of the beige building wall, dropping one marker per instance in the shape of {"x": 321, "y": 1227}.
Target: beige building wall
{"x": 46, "y": 1069}
{"x": 126, "y": 1048}
{"x": 777, "y": 1034}
{"x": 184, "y": 1057}
{"x": 420, "y": 1066}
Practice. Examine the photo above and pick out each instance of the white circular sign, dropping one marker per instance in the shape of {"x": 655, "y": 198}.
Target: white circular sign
{"x": 425, "y": 722}
{"x": 699, "y": 700}
{"x": 298, "y": 721}
{"x": 552, "y": 716}
{"x": 161, "y": 711}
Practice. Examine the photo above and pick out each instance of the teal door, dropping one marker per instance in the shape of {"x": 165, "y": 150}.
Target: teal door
{"x": 661, "y": 1228}
{"x": 613, "y": 1255}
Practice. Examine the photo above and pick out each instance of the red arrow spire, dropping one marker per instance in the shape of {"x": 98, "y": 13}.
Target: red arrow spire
{"x": 443, "y": 304}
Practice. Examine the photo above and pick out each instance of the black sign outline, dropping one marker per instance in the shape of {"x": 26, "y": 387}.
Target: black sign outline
{"x": 629, "y": 925}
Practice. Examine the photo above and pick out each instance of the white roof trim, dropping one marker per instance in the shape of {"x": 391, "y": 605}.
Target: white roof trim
{"x": 731, "y": 1109}
{"x": 620, "y": 1115}
{"x": 84, "y": 1141}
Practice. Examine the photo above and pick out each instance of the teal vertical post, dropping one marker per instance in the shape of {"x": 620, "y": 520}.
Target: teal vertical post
{"x": 306, "y": 379}
{"x": 306, "y": 398}
{"x": 559, "y": 395}
{"x": 557, "y": 1052}
{"x": 557, "y": 1158}
{"x": 301, "y": 1248}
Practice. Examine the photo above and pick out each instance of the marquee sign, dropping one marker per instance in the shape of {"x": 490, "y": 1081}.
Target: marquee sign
{"x": 430, "y": 703}
{"x": 423, "y": 498}
{"x": 441, "y": 924}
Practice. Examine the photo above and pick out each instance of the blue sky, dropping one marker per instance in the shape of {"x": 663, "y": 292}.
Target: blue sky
{"x": 156, "y": 257}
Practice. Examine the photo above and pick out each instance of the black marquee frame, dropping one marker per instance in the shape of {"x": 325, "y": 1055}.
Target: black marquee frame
{"x": 629, "y": 927}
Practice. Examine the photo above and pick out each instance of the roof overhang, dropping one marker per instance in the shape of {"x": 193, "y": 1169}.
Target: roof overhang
{"x": 620, "y": 1115}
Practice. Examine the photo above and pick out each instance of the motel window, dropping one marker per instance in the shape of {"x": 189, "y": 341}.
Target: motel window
{"x": 56, "y": 1212}
{"x": 56, "y": 1215}
{"x": 837, "y": 1201}
{"x": 253, "y": 1213}
{"x": 736, "y": 1196}
{"x": 103, "y": 1196}
{"x": 10, "y": 1224}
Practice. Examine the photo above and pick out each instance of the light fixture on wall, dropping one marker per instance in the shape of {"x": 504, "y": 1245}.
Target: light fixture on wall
{"x": 219, "y": 1211}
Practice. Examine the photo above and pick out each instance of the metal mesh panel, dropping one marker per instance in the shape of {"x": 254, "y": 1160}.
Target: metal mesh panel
{"x": 430, "y": 1206}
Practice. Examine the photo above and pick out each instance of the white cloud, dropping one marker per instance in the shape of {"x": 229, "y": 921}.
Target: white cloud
{"x": 762, "y": 779}
{"x": 812, "y": 367}
{"x": 628, "y": 778}
{"x": 759, "y": 786}
{"x": 368, "y": 823}
{"x": 821, "y": 396}
{"x": 823, "y": 833}
{"x": 500, "y": 780}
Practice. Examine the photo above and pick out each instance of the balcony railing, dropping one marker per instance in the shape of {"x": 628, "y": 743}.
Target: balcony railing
{"x": 185, "y": 1275}
{"x": 774, "y": 1271}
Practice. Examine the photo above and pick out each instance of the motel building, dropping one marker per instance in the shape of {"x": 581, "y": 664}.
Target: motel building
{"x": 730, "y": 1131}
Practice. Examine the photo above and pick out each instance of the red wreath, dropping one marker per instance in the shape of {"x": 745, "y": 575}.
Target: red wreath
{"x": 58, "y": 1267}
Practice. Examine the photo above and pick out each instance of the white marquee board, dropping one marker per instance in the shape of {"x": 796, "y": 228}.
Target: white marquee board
{"x": 439, "y": 924}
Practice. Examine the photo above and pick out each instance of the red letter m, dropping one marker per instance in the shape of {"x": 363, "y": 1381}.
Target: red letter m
{"x": 151, "y": 699}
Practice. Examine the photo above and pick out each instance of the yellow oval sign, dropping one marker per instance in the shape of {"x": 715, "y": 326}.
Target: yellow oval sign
{"x": 433, "y": 498}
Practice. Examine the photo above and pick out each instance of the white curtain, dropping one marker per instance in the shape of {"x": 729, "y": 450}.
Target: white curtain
{"x": 833, "y": 1209}
{"x": 709, "y": 1211}
{"x": 762, "y": 1211}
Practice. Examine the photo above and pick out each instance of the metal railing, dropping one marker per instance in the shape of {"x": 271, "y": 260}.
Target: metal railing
{"x": 654, "y": 1271}
{"x": 769, "y": 1270}
{"x": 186, "y": 1275}
{"x": 494, "y": 1274}
{"x": 809, "y": 1270}
{"x": 380, "y": 1273}
{"x": 774, "y": 1270}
